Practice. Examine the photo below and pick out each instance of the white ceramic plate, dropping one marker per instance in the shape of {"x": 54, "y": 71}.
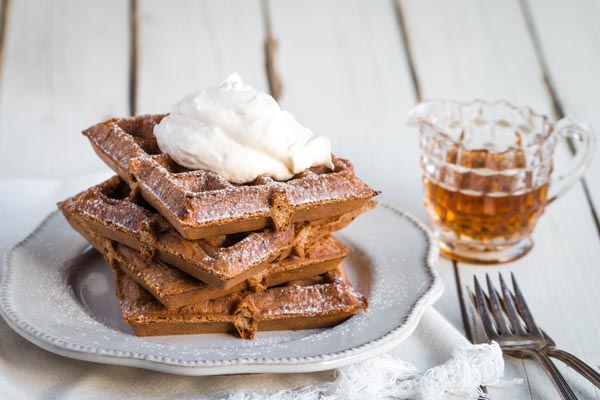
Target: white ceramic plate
{"x": 58, "y": 293}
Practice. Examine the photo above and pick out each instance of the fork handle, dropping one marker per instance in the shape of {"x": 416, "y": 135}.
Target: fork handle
{"x": 588, "y": 372}
{"x": 561, "y": 385}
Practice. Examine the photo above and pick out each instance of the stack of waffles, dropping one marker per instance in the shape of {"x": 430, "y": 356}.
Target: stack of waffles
{"x": 194, "y": 253}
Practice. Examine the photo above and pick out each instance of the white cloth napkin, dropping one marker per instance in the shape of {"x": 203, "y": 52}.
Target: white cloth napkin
{"x": 408, "y": 371}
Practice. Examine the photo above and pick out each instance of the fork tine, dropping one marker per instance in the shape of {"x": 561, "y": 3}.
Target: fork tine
{"x": 471, "y": 294}
{"x": 496, "y": 308}
{"x": 481, "y": 305}
{"x": 523, "y": 308}
{"x": 473, "y": 334}
{"x": 509, "y": 306}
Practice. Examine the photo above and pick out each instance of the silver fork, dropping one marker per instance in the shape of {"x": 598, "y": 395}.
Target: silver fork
{"x": 507, "y": 320}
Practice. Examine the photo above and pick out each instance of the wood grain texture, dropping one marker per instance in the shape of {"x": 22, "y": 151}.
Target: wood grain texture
{"x": 187, "y": 45}
{"x": 569, "y": 38}
{"x": 347, "y": 77}
{"x": 467, "y": 49}
{"x": 65, "y": 68}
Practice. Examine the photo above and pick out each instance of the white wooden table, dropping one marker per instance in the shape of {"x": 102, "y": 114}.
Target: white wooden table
{"x": 350, "y": 70}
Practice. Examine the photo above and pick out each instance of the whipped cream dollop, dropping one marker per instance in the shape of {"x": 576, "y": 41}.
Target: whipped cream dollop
{"x": 239, "y": 133}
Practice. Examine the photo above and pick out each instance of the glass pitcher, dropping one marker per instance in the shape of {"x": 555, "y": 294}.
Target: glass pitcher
{"x": 487, "y": 174}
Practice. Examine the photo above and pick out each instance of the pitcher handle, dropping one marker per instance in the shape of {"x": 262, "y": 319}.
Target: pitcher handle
{"x": 568, "y": 129}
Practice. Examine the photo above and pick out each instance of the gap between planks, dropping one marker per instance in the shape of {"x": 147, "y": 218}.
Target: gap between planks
{"x": 270, "y": 52}
{"x": 557, "y": 107}
{"x": 133, "y": 55}
{"x": 407, "y": 49}
{"x": 4, "y": 12}
{"x": 417, "y": 91}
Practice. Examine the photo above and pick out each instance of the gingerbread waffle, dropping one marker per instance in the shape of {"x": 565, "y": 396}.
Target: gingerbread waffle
{"x": 174, "y": 288}
{"x": 110, "y": 210}
{"x": 323, "y": 301}
{"x": 202, "y": 204}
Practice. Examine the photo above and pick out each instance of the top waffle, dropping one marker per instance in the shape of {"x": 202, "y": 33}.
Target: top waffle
{"x": 201, "y": 203}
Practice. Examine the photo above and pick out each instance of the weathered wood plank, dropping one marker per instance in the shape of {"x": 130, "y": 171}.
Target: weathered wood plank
{"x": 65, "y": 68}
{"x": 470, "y": 49}
{"x": 569, "y": 38}
{"x": 186, "y": 45}
{"x": 346, "y": 75}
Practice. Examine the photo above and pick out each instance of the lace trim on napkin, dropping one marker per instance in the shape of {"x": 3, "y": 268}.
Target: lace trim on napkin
{"x": 388, "y": 377}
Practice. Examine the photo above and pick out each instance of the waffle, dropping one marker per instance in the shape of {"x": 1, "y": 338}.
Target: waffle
{"x": 174, "y": 288}
{"x": 201, "y": 204}
{"x": 305, "y": 302}
{"x": 109, "y": 210}
{"x": 323, "y": 301}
